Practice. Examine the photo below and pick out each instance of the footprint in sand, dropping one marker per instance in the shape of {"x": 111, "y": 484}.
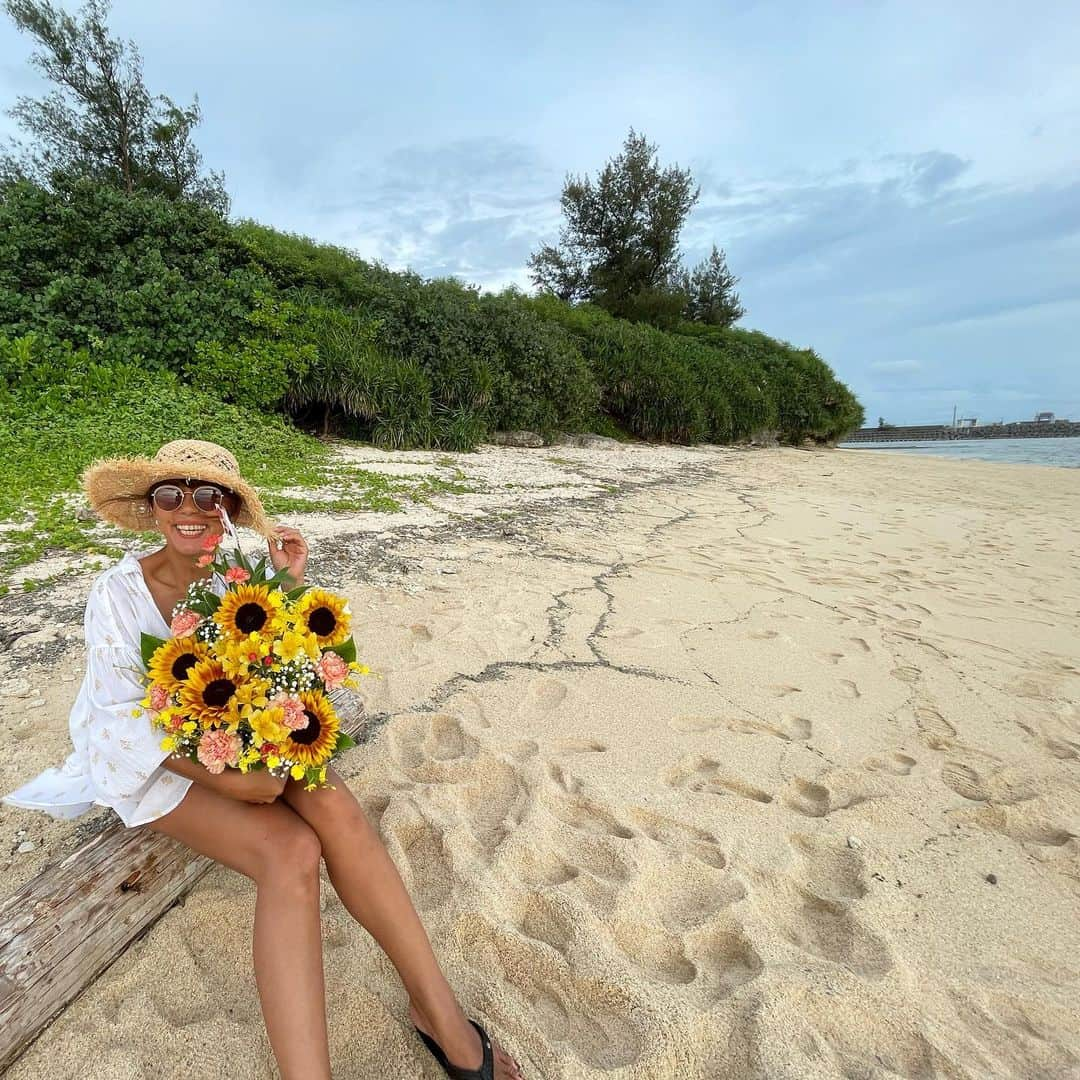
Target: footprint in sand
{"x": 576, "y": 1026}
{"x": 763, "y": 635}
{"x": 783, "y": 689}
{"x": 492, "y": 800}
{"x": 538, "y": 867}
{"x": 934, "y": 730}
{"x": 698, "y": 773}
{"x": 578, "y": 746}
{"x": 849, "y": 688}
{"x": 906, "y": 674}
{"x": 725, "y": 961}
{"x": 830, "y": 657}
{"x": 694, "y": 723}
{"x": 656, "y": 951}
{"x": 680, "y": 836}
{"x": 818, "y": 800}
{"x": 893, "y": 762}
{"x": 829, "y": 930}
{"x": 547, "y": 918}
{"x": 417, "y": 847}
{"x": 426, "y": 746}
{"x": 1026, "y": 824}
{"x": 586, "y": 816}
{"x": 830, "y": 869}
{"x": 683, "y": 901}
{"x": 965, "y": 781}
{"x": 572, "y": 785}
{"x": 790, "y": 728}
{"x": 544, "y": 695}
{"x": 860, "y": 643}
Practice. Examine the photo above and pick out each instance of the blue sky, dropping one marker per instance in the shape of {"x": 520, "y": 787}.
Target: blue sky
{"x": 897, "y": 184}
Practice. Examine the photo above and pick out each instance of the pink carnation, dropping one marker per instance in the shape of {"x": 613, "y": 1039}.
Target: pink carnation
{"x": 204, "y": 560}
{"x": 236, "y": 573}
{"x": 219, "y": 748}
{"x": 332, "y": 670}
{"x": 211, "y": 541}
{"x": 184, "y": 623}
{"x": 159, "y": 697}
{"x": 295, "y": 718}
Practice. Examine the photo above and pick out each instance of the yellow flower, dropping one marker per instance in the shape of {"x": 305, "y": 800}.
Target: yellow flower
{"x": 297, "y": 772}
{"x": 168, "y": 743}
{"x": 172, "y": 662}
{"x": 269, "y": 725}
{"x": 314, "y": 744}
{"x": 247, "y": 609}
{"x": 188, "y": 726}
{"x": 237, "y": 655}
{"x": 248, "y": 759}
{"x": 325, "y": 615}
{"x": 273, "y": 761}
{"x": 251, "y": 695}
{"x": 294, "y": 644}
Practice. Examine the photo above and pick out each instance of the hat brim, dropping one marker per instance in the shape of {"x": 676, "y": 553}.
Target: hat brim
{"x": 117, "y": 487}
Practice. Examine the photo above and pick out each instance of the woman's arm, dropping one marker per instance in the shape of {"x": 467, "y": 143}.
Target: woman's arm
{"x": 255, "y": 787}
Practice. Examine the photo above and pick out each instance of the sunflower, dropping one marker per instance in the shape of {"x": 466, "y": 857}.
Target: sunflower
{"x": 324, "y": 615}
{"x": 172, "y": 662}
{"x": 314, "y": 744}
{"x": 209, "y": 695}
{"x": 250, "y": 609}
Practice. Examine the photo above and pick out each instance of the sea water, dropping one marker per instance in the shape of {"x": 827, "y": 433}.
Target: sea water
{"x": 1063, "y": 451}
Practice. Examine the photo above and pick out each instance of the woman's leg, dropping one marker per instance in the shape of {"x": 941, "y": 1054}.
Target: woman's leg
{"x": 270, "y": 844}
{"x": 370, "y": 887}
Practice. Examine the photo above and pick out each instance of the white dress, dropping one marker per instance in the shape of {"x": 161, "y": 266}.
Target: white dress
{"x": 117, "y": 756}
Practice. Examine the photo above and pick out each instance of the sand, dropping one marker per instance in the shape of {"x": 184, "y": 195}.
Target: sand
{"x": 696, "y": 762}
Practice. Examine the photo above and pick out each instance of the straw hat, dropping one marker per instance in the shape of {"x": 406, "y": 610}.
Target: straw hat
{"x": 117, "y": 487}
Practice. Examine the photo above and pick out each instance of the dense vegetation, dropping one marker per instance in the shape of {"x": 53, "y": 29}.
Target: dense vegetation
{"x": 126, "y": 320}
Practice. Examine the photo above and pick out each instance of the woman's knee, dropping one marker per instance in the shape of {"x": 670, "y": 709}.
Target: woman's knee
{"x": 291, "y": 851}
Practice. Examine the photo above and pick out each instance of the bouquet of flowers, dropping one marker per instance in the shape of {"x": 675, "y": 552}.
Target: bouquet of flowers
{"x": 243, "y": 680}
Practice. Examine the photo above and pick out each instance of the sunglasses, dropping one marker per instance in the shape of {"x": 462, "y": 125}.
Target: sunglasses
{"x": 206, "y": 497}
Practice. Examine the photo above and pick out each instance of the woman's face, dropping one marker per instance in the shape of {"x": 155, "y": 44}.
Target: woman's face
{"x": 186, "y": 527}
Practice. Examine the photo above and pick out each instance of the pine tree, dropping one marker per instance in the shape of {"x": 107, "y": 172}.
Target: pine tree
{"x": 102, "y": 121}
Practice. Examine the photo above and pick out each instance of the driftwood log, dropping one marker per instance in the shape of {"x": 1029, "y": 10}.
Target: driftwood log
{"x": 64, "y": 927}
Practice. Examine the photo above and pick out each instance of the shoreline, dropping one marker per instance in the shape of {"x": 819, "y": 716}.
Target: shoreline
{"x": 703, "y": 775}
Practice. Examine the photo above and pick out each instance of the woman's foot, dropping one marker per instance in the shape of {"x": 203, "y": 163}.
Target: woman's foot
{"x": 464, "y": 1048}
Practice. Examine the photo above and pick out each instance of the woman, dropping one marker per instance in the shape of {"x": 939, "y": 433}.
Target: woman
{"x": 267, "y": 828}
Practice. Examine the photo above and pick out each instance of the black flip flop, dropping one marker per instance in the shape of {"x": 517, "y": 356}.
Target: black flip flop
{"x": 456, "y": 1072}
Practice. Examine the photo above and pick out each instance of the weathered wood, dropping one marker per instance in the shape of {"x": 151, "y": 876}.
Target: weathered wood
{"x": 64, "y": 927}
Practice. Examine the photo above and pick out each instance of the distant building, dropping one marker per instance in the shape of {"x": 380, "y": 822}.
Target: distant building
{"x": 1044, "y": 417}
{"x": 967, "y": 421}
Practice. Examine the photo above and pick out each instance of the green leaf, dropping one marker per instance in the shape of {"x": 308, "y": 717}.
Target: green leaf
{"x": 150, "y": 645}
{"x": 344, "y": 742}
{"x": 346, "y": 650}
{"x": 295, "y": 594}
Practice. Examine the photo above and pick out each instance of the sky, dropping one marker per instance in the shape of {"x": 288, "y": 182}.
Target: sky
{"x": 896, "y": 184}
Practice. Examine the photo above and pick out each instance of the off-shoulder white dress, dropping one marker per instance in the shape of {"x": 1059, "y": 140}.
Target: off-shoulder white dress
{"x": 116, "y": 760}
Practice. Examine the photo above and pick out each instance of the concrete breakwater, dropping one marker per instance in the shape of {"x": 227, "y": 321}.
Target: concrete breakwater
{"x": 1021, "y": 429}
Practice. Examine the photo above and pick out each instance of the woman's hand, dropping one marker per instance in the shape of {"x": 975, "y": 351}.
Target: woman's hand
{"x": 292, "y": 554}
{"x": 258, "y": 786}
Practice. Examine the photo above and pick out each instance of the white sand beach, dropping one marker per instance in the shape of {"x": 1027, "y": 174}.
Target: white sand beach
{"x": 697, "y": 762}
